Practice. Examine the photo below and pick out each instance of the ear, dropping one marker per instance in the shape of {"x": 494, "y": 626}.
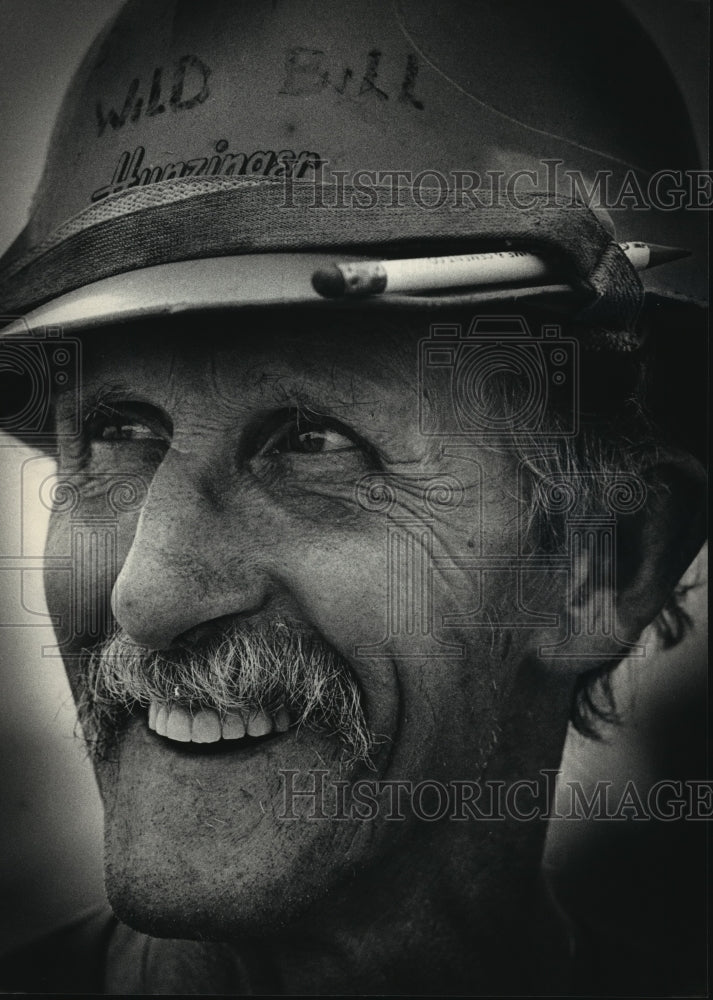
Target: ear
{"x": 624, "y": 567}
{"x": 656, "y": 545}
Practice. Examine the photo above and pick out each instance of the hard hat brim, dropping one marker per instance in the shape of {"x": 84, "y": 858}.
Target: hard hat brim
{"x": 239, "y": 243}
{"x": 247, "y": 280}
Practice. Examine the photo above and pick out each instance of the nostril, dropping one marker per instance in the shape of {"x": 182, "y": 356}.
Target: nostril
{"x": 139, "y": 619}
{"x": 172, "y": 586}
{"x": 199, "y": 634}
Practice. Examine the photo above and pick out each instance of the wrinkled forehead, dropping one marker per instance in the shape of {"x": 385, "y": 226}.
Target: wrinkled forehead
{"x": 278, "y": 352}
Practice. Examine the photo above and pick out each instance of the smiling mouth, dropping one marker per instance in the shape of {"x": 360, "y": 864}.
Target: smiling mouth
{"x": 180, "y": 725}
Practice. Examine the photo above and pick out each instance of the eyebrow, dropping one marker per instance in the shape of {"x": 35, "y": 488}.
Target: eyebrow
{"x": 87, "y": 401}
{"x": 103, "y": 396}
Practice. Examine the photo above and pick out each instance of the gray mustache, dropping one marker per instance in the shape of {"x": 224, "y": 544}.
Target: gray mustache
{"x": 242, "y": 669}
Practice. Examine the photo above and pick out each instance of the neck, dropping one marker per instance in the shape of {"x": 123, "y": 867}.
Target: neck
{"x": 448, "y": 930}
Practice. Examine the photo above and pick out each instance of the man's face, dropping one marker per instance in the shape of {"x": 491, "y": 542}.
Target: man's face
{"x": 262, "y": 456}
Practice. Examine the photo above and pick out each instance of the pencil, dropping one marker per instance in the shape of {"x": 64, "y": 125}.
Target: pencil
{"x": 422, "y": 274}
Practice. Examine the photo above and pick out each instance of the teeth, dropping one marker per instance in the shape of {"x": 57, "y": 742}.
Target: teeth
{"x": 178, "y": 726}
{"x": 282, "y": 720}
{"x": 259, "y": 724}
{"x": 206, "y": 726}
{"x": 233, "y": 726}
{"x": 161, "y": 719}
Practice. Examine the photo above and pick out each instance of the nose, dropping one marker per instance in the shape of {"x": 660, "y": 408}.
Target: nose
{"x": 189, "y": 562}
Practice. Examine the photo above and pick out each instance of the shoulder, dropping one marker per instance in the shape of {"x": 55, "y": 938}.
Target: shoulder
{"x": 70, "y": 959}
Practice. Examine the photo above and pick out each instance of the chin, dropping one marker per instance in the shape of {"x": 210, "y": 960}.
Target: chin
{"x": 195, "y": 846}
{"x": 260, "y": 892}
{"x": 181, "y": 908}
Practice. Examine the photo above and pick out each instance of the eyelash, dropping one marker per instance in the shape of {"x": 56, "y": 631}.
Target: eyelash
{"x": 273, "y": 433}
{"x": 103, "y": 417}
{"x": 296, "y": 422}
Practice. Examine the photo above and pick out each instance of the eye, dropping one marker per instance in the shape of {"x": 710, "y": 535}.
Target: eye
{"x": 120, "y": 431}
{"x": 127, "y": 422}
{"x": 309, "y": 436}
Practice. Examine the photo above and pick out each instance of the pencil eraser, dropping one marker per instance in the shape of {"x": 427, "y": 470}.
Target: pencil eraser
{"x": 329, "y": 282}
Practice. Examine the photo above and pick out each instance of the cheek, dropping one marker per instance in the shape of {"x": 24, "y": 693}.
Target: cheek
{"x": 337, "y": 579}
{"x": 83, "y": 557}
{"x": 391, "y": 597}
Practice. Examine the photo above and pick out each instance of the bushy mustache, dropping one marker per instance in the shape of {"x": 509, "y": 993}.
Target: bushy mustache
{"x": 242, "y": 669}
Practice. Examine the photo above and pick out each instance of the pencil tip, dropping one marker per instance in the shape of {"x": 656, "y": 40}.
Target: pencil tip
{"x": 663, "y": 255}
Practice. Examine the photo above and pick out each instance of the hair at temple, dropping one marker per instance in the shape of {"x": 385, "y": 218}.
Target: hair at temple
{"x": 618, "y": 435}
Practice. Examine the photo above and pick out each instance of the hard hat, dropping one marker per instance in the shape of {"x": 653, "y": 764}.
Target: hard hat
{"x": 216, "y": 154}
{"x": 202, "y": 132}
